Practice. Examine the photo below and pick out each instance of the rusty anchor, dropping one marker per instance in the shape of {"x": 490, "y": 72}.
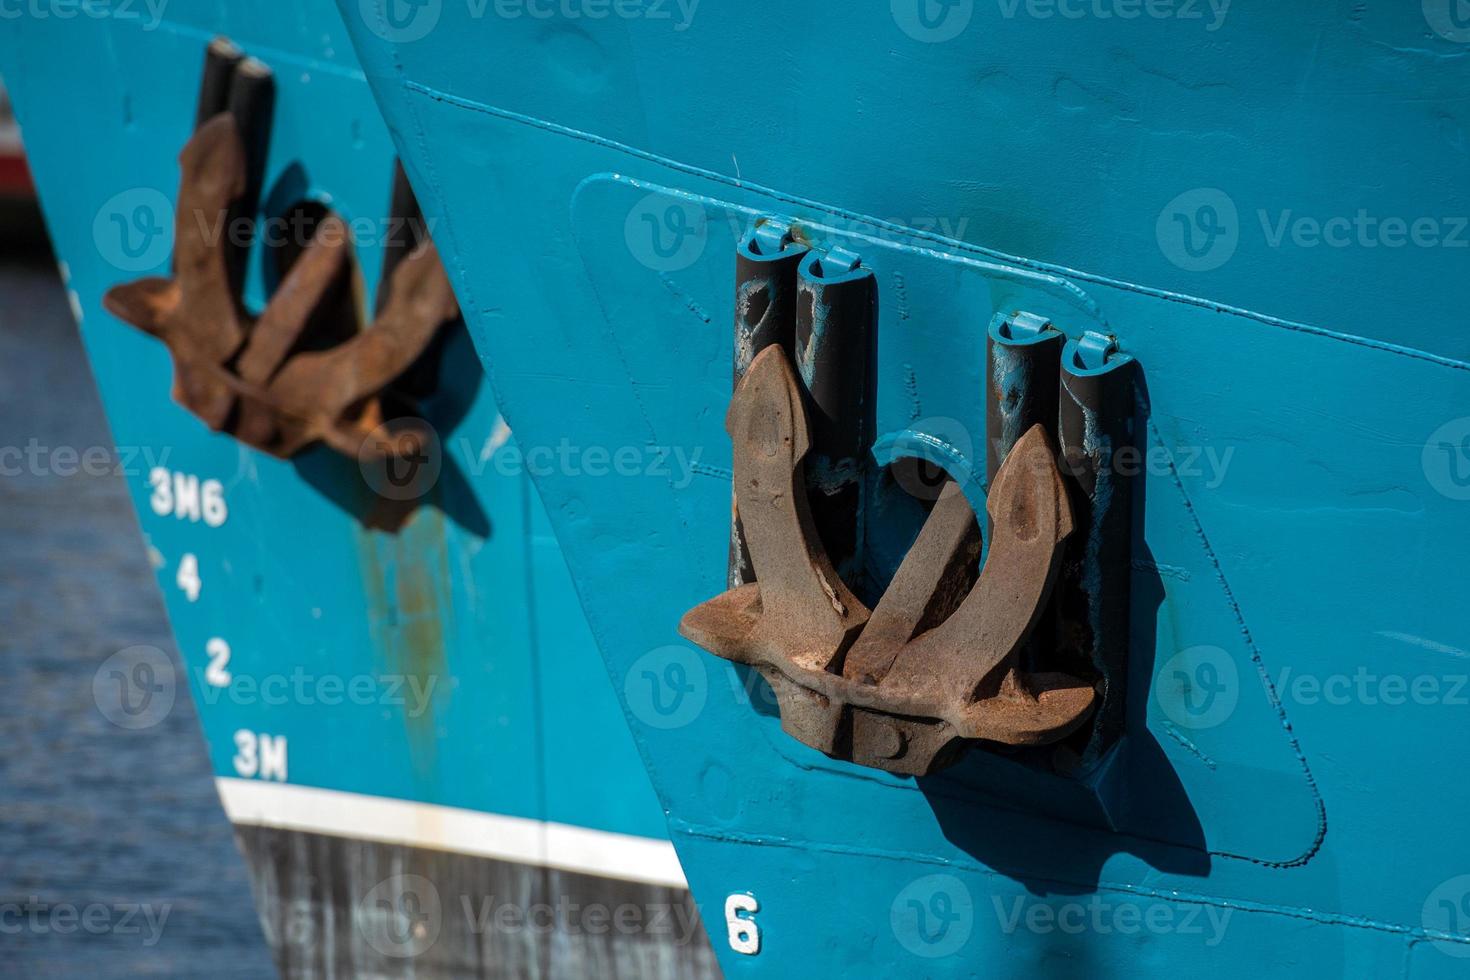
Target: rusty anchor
{"x": 264, "y": 379}
{"x": 936, "y": 665}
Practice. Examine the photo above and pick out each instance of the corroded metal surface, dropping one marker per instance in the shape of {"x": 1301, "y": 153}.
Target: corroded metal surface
{"x": 833, "y": 352}
{"x": 903, "y": 686}
{"x": 766, "y": 263}
{"x": 335, "y": 907}
{"x": 267, "y": 379}
{"x": 1098, "y": 441}
{"x": 1023, "y": 371}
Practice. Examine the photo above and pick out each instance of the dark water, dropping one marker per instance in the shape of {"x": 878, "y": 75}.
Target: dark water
{"x": 115, "y": 858}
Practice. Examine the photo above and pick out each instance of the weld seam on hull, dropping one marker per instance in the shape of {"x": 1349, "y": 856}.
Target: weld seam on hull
{"x": 968, "y": 250}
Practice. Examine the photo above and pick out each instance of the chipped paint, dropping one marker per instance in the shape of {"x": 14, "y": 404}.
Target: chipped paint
{"x": 499, "y": 435}
{"x": 1010, "y": 375}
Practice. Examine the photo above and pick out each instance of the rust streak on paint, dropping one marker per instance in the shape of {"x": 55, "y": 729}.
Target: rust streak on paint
{"x": 406, "y": 581}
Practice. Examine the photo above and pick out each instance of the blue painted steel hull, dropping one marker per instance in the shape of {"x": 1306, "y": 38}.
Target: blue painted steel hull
{"x": 1283, "y": 802}
{"x": 444, "y": 672}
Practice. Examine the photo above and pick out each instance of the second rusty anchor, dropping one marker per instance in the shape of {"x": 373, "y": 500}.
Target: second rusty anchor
{"x": 285, "y": 379}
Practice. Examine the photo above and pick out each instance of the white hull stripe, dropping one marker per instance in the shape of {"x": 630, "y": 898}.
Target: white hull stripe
{"x": 442, "y": 828}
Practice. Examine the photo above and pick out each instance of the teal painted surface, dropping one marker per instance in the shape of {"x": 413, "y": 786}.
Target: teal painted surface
{"x": 470, "y": 661}
{"x": 1284, "y": 804}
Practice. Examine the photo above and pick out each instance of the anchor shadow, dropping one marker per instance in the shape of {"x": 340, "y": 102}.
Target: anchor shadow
{"x": 446, "y": 381}
{"x": 1131, "y": 802}
{"x": 440, "y": 387}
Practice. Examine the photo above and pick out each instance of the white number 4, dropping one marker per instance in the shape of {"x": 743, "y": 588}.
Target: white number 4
{"x": 188, "y": 577}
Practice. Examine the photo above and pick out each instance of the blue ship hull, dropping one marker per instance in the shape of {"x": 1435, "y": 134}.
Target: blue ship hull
{"x": 1228, "y": 195}
{"x": 1260, "y": 214}
{"x": 399, "y": 720}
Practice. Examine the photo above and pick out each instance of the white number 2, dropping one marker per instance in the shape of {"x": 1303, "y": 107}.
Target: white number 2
{"x": 219, "y": 656}
{"x": 745, "y": 935}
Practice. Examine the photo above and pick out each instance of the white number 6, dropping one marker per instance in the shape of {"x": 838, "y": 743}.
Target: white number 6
{"x": 745, "y": 935}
